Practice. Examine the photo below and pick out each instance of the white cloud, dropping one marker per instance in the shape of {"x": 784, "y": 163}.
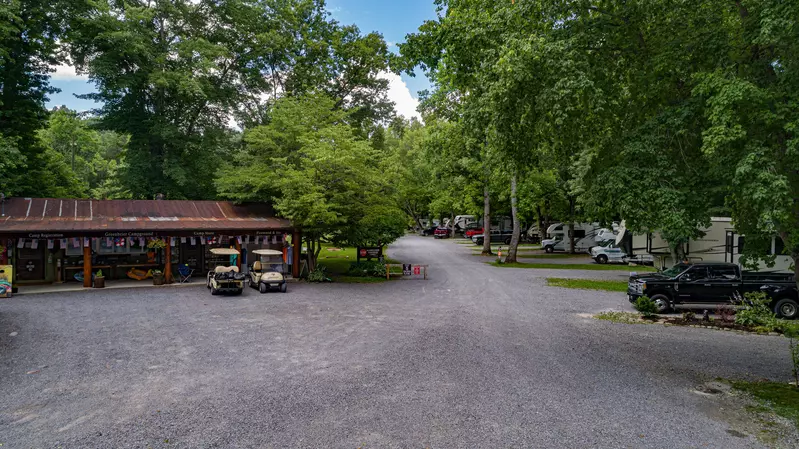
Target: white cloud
{"x": 398, "y": 92}
{"x": 66, "y": 72}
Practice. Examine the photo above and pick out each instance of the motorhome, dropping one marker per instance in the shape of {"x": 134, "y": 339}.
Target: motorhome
{"x": 461, "y": 221}
{"x": 586, "y": 236}
{"x": 720, "y": 243}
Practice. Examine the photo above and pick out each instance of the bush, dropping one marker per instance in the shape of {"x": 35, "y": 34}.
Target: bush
{"x": 646, "y": 306}
{"x": 370, "y": 268}
{"x": 318, "y": 275}
{"x": 755, "y": 311}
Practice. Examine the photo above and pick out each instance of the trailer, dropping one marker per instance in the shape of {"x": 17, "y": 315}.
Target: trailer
{"x": 720, "y": 243}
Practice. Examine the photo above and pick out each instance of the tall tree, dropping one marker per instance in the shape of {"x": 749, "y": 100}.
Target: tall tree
{"x": 28, "y": 45}
{"x": 318, "y": 173}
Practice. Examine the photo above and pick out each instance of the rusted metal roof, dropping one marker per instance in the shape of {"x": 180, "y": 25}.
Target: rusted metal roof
{"x": 57, "y": 215}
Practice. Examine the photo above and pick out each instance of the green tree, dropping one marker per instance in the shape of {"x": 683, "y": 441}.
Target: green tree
{"x": 28, "y": 33}
{"x": 319, "y": 174}
{"x": 750, "y": 104}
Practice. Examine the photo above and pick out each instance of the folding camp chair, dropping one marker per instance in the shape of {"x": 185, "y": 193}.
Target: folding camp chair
{"x": 185, "y": 273}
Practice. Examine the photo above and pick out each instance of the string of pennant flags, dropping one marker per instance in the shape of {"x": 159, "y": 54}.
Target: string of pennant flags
{"x": 77, "y": 242}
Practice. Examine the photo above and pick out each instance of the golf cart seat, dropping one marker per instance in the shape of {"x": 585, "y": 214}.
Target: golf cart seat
{"x": 221, "y": 269}
{"x": 256, "y": 266}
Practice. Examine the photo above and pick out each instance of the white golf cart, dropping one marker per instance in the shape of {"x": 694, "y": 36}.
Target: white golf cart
{"x": 267, "y": 271}
{"x": 224, "y": 279}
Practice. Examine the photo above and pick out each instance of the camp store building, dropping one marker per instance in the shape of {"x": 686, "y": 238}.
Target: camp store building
{"x": 61, "y": 240}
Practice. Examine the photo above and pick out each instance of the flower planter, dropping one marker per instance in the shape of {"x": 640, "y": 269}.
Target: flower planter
{"x": 158, "y": 279}
{"x": 99, "y": 282}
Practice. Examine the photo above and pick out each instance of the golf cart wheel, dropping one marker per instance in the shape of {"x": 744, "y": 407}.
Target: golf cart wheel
{"x": 284, "y": 288}
{"x": 507, "y": 241}
{"x": 602, "y": 259}
{"x": 549, "y": 249}
{"x": 262, "y": 288}
{"x": 214, "y": 291}
{"x": 241, "y": 290}
{"x": 787, "y": 308}
{"x": 662, "y": 303}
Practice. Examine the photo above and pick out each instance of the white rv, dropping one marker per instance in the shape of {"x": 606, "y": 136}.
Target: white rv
{"x": 719, "y": 244}
{"x": 586, "y": 236}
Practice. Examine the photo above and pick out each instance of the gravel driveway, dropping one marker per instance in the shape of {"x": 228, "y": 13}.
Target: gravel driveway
{"x": 477, "y": 356}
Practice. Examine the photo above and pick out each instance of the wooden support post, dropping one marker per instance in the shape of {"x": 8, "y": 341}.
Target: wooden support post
{"x": 4, "y": 256}
{"x": 296, "y": 241}
{"x": 87, "y": 263}
{"x": 238, "y": 248}
{"x": 168, "y": 260}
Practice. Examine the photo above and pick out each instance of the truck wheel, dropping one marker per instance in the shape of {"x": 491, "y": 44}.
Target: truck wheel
{"x": 601, "y": 259}
{"x": 263, "y": 288}
{"x": 661, "y": 302}
{"x": 787, "y": 308}
{"x": 549, "y": 249}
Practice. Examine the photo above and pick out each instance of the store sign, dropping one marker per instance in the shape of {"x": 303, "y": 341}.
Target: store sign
{"x": 45, "y": 236}
{"x": 129, "y": 234}
{"x": 268, "y": 232}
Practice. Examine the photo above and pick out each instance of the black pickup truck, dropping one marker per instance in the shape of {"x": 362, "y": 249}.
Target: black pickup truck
{"x": 712, "y": 284}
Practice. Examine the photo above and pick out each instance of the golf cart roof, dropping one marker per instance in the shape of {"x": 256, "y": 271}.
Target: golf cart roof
{"x": 268, "y": 252}
{"x": 224, "y": 251}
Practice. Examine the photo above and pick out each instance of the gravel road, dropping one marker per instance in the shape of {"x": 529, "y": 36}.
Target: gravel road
{"x": 477, "y": 356}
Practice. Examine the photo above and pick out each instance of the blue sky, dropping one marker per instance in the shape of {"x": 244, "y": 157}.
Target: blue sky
{"x": 394, "y": 19}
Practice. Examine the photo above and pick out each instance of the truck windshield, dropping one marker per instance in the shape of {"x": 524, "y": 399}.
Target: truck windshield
{"x": 675, "y": 270}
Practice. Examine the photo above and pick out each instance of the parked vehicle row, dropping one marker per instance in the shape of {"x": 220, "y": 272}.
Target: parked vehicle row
{"x": 711, "y": 284}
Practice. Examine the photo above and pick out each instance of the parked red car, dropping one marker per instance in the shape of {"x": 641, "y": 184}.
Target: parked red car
{"x": 441, "y": 233}
{"x": 472, "y": 232}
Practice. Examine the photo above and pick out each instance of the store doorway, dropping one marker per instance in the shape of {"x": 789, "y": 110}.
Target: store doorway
{"x": 30, "y": 263}
{"x": 192, "y": 255}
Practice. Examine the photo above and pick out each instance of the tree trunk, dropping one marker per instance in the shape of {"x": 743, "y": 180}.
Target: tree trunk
{"x": 452, "y": 223}
{"x": 486, "y": 221}
{"x": 541, "y": 228}
{"x": 310, "y": 252}
{"x": 571, "y": 226}
{"x": 514, "y": 240}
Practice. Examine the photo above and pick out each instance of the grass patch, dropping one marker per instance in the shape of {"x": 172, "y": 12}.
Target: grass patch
{"x": 781, "y": 398}
{"x": 621, "y": 317}
{"x": 539, "y": 256}
{"x": 588, "y": 284}
{"x": 572, "y": 266}
{"x": 337, "y": 263}
{"x": 343, "y": 279}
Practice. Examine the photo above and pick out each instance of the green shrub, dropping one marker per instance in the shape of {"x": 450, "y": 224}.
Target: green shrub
{"x": 318, "y": 275}
{"x": 646, "y": 306}
{"x": 755, "y": 311}
{"x": 370, "y": 268}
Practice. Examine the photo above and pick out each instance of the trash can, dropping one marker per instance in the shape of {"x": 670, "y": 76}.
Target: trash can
{"x": 6, "y": 277}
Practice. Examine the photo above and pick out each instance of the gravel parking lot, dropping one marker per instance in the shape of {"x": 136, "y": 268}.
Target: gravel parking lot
{"x": 477, "y": 356}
